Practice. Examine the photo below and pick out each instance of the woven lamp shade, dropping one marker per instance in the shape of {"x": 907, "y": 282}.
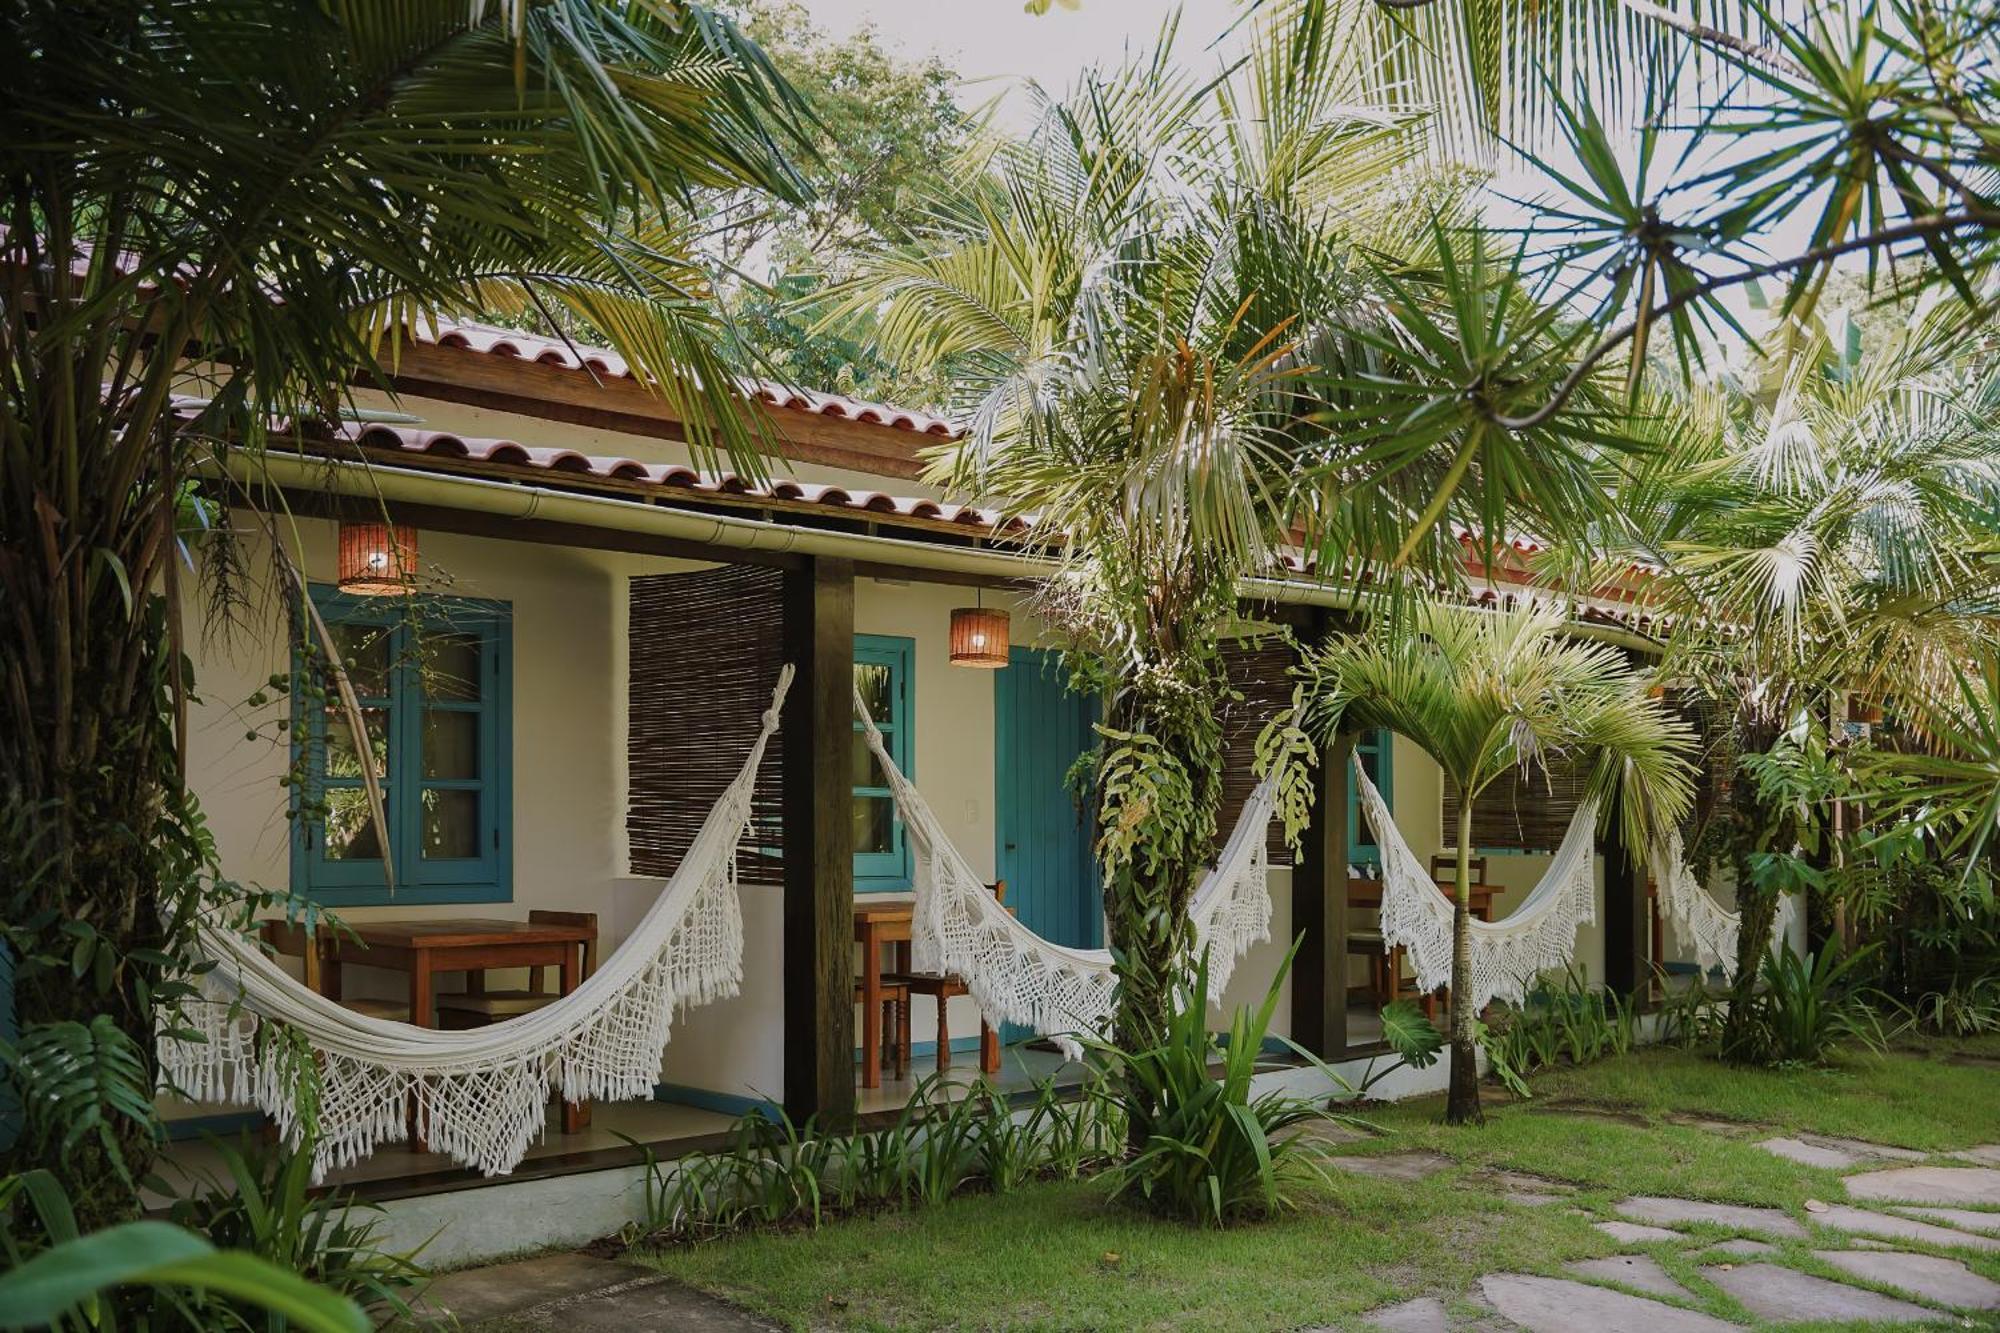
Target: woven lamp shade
{"x": 978, "y": 637}
{"x": 377, "y": 559}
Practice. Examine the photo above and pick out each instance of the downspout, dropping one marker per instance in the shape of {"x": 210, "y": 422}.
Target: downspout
{"x": 514, "y": 500}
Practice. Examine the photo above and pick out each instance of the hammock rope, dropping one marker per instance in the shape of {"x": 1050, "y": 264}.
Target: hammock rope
{"x": 479, "y": 1095}
{"x": 1015, "y": 975}
{"x": 1507, "y": 955}
{"x": 1702, "y": 923}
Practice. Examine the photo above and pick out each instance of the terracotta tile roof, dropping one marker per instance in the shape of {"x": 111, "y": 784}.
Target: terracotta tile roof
{"x": 521, "y": 346}
{"x": 418, "y": 448}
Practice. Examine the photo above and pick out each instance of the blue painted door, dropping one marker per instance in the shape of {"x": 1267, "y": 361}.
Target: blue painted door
{"x": 1044, "y": 840}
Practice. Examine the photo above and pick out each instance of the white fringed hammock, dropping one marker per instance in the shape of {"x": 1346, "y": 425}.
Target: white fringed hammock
{"x": 1507, "y": 955}
{"x": 1700, "y": 922}
{"x": 1016, "y": 976}
{"x": 479, "y": 1095}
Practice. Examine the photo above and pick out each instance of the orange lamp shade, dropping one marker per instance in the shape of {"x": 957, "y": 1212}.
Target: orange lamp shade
{"x": 978, "y": 637}
{"x": 377, "y": 559}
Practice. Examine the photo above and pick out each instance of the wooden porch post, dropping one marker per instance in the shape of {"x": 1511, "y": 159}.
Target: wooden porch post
{"x": 1628, "y": 920}
{"x": 819, "y": 852}
{"x": 1319, "y": 901}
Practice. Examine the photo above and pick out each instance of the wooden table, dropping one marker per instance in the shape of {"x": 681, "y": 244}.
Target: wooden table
{"x": 425, "y": 948}
{"x": 1366, "y": 895}
{"x": 877, "y": 924}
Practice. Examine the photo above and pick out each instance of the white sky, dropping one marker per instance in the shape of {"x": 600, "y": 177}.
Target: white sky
{"x": 996, "y": 42}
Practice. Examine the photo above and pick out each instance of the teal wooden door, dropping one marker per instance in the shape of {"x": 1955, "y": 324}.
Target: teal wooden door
{"x": 1044, "y": 842}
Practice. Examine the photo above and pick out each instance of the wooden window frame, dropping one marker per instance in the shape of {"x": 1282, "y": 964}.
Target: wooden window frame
{"x": 486, "y": 878}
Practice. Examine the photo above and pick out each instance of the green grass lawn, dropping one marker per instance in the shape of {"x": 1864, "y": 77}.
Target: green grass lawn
{"x": 1060, "y": 1257}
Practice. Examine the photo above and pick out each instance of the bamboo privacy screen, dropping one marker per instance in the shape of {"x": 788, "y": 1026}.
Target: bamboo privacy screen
{"x": 1259, "y": 669}
{"x": 706, "y": 647}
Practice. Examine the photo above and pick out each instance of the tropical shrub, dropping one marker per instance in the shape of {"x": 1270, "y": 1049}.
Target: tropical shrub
{"x": 775, "y": 1172}
{"x": 1809, "y": 1005}
{"x": 1201, "y": 1147}
{"x": 1569, "y": 1020}
{"x": 259, "y": 1204}
{"x": 149, "y": 1274}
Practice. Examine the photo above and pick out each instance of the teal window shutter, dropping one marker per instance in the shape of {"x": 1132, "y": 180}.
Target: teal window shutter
{"x": 1373, "y": 748}
{"x": 882, "y": 673}
{"x": 433, "y": 680}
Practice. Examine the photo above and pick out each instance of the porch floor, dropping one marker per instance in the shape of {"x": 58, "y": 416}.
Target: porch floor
{"x": 669, "y": 1129}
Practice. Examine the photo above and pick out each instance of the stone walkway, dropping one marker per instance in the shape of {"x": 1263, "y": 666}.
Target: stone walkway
{"x": 1864, "y": 1274}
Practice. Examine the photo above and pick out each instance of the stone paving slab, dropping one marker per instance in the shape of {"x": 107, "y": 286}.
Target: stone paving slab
{"x": 1963, "y": 1218}
{"x": 1987, "y": 1154}
{"x": 1556, "y": 1305}
{"x": 1928, "y": 1184}
{"x": 1404, "y": 1166}
{"x": 1629, "y": 1270}
{"x": 1862, "y": 1222}
{"x": 659, "y": 1305}
{"x": 1423, "y": 1315}
{"x": 482, "y": 1293}
{"x": 1862, "y": 1148}
{"x": 1946, "y": 1281}
{"x": 1742, "y": 1247}
{"x": 1787, "y": 1296}
{"x": 1811, "y": 1154}
{"x": 1632, "y": 1233}
{"x": 1655, "y": 1209}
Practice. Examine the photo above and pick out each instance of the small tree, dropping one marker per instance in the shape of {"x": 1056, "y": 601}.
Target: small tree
{"x": 1485, "y": 694}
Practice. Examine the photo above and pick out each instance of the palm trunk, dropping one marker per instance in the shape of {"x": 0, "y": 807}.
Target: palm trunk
{"x": 1462, "y": 1103}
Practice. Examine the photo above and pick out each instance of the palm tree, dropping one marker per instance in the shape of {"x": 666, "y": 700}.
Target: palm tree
{"x": 1164, "y": 308}
{"x": 1821, "y": 526}
{"x": 214, "y": 213}
{"x": 1487, "y": 694}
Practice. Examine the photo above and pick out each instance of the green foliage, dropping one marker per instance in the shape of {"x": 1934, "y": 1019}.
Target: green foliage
{"x": 163, "y": 1275}
{"x": 262, "y": 1204}
{"x": 78, "y": 1080}
{"x": 1690, "y": 1015}
{"x": 1567, "y": 1021}
{"x": 1203, "y": 1149}
{"x": 948, "y": 1139}
{"x": 1810, "y": 1005}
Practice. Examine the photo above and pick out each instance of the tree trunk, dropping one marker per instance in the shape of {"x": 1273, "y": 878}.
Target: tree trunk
{"x": 1741, "y": 1042}
{"x": 1462, "y": 1104}
{"x": 1146, "y": 903}
{"x": 85, "y": 789}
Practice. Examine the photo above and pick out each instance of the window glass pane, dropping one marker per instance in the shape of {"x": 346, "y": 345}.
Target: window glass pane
{"x": 451, "y": 744}
{"x": 342, "y": 760}
{"x": 873, "y": 679}
{"x": 351, "y": 832}
{"x": 874, "y": 824}
{"x": 451, "y": 825}
{"x": 364, "y": 651}
{"x": 867, "y": 770}
{"x": 451, "y": 666}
